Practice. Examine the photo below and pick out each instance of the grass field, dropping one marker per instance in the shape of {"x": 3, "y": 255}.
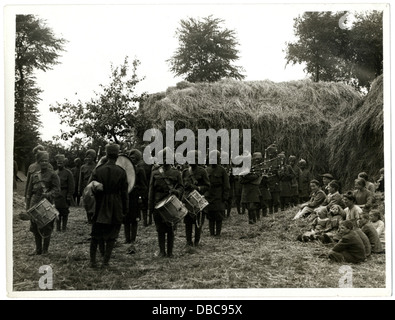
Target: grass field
{"x": 261, "y": 256}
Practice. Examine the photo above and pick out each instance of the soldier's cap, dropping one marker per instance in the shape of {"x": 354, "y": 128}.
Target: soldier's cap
{"x": 91, "y": 153}
{"x": 327, "y": 175}
{"x": 60, "y": 157}
{"x": 42, "y": 155}
{"x": 112, "y": 149}
{"x": 257, "y": 155}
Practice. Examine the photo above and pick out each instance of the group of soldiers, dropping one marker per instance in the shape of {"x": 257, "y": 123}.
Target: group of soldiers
{"x": 272, "y": 183}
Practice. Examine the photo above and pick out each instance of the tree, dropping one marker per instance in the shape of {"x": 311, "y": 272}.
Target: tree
{"x": 352, "y": 54}
{"x": 206, "y": 51}
{"x": 366, "y": 47}
{"x": 111, "y": 114}
{"x": 36, "y": 48}
{"x": 319, "y": 45}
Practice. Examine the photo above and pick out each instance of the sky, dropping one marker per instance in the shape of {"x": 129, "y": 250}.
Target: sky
{"x": 103, "y": 35}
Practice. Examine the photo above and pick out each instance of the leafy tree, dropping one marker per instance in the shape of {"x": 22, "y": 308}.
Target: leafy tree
{"x": 330, "y": 52}
{"x": 365, "y": 52}
{"x": 206, "y": 51}
{"x": 36, "y": 48}
{"x": 111, "y": 114}
{"x": 319, "y": 45}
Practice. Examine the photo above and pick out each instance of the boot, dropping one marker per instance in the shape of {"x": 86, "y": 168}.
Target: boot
{"x": 64, "y": 224}
{"x": 39, "y": 245}
{"x": 47, "y": 240}
{"x": 211, "y": 226}
{"x": 188, "y": 233}
{"x": 251, "y": 217}
{"x": 134, "y": 231}
{"x": 258, "y": 214}
{"x": 170, "y": 244}
{"x": 161, "y": 240}
{"x": 89, "y": 217}
{"x": 102, "y": 247}
{"x": 150, "y": 218}
{"x": 58, "y": 222}
{"x": 218, "y": 228}
{"x": 107, "y": 253}
{"x": 92, "y": 253}
{"x": 145, "y": 218}
{"x": 198, "y": 232}
{"x": 127, "y": 232}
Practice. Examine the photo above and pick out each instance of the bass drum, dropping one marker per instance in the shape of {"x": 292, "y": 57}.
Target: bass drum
{"x": 124, "y": 162}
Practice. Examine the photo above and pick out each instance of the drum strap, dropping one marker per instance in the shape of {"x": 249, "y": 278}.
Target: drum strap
{"x": 41, "y": 182}
{"x": 194, "y": 180}
{"x": 168, "y": 183}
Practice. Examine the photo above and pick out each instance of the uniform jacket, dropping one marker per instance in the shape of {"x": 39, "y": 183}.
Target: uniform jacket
{"x": 286, "y": 175}
{"x": 316, "y": 199}
{"x": 250, "y": 191}
{"x": 85, "y": 175}
{"x": 111, "y": 203}
{"x": 363, "y": 197}
{"x": 66, "y": 188}
{"x": 195, "y": 180}
{"x": 352, "y": 244}
{"x": 43, "y": 184}
{"x": 140, "y": 189}
{"x": 373, "y": 236}
{"x": 219, "y": 189}
{"x": 162, "y": 184}
{"x": 304, "y": 183}
{"x": 34, "y": 167}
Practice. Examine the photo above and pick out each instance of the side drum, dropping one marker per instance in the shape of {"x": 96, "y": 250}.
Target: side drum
{"x": 43, "y": 213}
{"x": 195, "y": 202}
{"x": 172, "y": 210}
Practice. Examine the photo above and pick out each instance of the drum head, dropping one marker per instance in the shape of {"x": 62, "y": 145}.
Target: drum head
{"x": 124, "y": 162}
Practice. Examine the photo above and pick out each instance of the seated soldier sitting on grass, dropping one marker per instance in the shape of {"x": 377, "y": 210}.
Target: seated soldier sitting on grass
{"x": 368, "y": 228}
{"x": 337, "y": 215}
{"x": 317, "y": 197}
{"x": 350, "y": 247}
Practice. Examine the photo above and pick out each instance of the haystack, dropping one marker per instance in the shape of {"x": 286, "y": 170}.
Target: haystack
{"x": 296, "y": 115}
{"x": 357, "y": 143}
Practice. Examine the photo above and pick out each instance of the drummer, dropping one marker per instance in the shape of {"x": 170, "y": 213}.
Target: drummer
{"x": 43, "y": 184}
{"x": 195, "y": 178}
{"x": 165, "y": 181}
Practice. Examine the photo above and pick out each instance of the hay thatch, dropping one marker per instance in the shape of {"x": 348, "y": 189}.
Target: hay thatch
{"x": 296, "y": 115}
{"x": 357, "y": 143}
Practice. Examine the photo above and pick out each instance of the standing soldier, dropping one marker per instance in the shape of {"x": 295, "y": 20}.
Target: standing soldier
{"x": 44, "y": 183}
{"x": 286, "y": 176}
{"x": 294, "y": 181}
{"x": 273, "y": 179}
{"x": 217, "y": 195}
{"x": 305, "y": 177}
{"x": 165, "y": 181}
{"x": 64, "y": 198}
{"x": 76, "y": 175}
{"x": 85, "y": 175}
{"x": 111, "y": 205}
{"x": 35, "y": 166}
{"x": 196, "y": 178}
{"x": 139, "y": 192}
{"x": 250, "y": 194}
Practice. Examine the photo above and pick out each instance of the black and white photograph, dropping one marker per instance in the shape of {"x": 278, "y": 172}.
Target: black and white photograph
{"x": 175, "y": 150}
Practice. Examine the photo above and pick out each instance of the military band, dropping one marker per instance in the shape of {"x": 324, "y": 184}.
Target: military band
{"x": 164, "y": 193}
